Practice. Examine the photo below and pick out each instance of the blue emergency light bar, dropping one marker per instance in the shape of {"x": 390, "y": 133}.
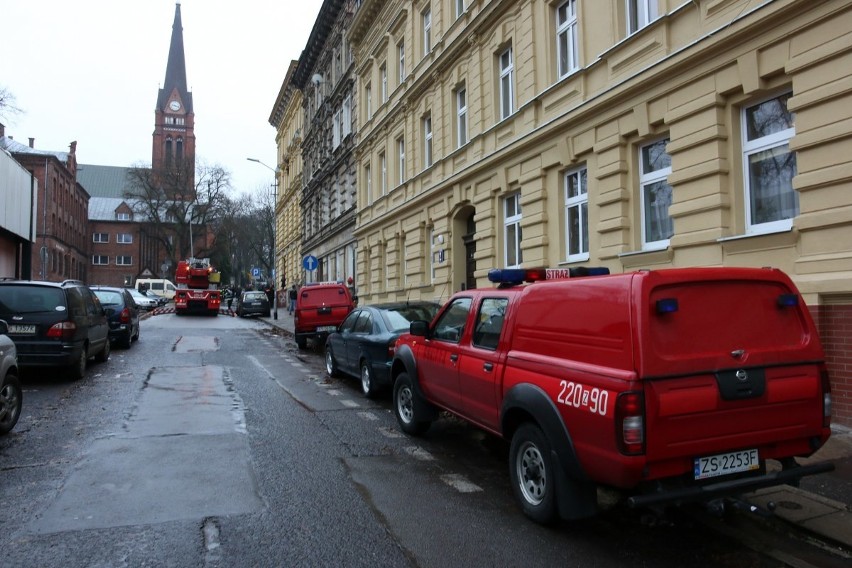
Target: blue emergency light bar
{"x": 509, "y": 276}
{"x": 788, "y": 300}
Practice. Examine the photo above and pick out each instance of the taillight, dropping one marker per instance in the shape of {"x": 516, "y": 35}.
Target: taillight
{"x": 63, "y": 330}
{"x": 826, "y": 397}
{"x": 125, "y": 315}
{"x": 630, "y": 422}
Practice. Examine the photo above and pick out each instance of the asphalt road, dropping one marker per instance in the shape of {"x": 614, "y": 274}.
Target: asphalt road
{"x": 214, "y": 442}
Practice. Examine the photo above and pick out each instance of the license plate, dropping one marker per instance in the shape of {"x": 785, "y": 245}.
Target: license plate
{"x": 22, "y": 329}
{"x": 327, "y": 328}
{"x": 724, "y": 464}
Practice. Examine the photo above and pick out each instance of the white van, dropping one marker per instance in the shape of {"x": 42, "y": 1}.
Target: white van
{"x": 159, "y": 286}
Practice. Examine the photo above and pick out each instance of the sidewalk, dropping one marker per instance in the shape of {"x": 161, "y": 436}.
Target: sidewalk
{"x": 822, "y": 504}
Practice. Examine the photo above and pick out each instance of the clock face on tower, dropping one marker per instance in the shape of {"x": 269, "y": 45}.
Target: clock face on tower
{"x": 174, "y": 105}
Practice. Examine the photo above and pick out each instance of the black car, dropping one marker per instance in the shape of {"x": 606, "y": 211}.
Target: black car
{"x": 122, "y": 313}
{"x": 363, "y": 345}
{"x": 54, "y": 324}
{"x": 254, "y": 302}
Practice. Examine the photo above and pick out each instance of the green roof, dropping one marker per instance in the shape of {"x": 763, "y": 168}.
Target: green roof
{"x": 103, "y": 181}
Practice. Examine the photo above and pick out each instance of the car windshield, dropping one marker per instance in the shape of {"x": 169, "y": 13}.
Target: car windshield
{"x": 108, "y": 297}
{"x": 26, "y": 299}
{"x": 399, "y": 319}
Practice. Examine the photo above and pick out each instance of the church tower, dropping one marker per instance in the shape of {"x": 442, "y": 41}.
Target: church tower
{"x": 174, "y": 120}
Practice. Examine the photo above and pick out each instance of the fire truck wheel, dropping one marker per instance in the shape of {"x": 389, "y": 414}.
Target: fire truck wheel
{"x": 405, "y": 405}
{"x": 531, "y": 471}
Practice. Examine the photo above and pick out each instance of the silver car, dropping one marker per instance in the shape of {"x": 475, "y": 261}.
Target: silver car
{"x": 143, "y": 301}
{"x": 11, "y": 396}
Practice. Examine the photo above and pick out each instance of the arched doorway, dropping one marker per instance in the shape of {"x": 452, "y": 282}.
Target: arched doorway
{"x": 464, "y": 249}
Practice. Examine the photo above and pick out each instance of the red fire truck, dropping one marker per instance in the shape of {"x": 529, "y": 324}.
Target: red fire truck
{"x": 197, "y": 287}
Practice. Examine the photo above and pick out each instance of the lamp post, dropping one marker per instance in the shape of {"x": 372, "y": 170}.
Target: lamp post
{"x": 274, "y": 234}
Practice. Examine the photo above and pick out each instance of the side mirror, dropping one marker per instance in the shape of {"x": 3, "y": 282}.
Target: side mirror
{"x": 419, "y": 328}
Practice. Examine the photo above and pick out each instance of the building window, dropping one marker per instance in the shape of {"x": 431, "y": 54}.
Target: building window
{"x": 566, "y": 38}
{"x": 512, "y": 230}
{"x": 368, "y": 185}
{"x": 100, "y": 260}
{"x": 459, "y": 8}
{"x": 100, "y": 237}
{"x": 400, "y": 147}
{"x": 771, "y": 202}
{"x": 383, "y": 74}
{"x": 640, "y": 13}
{"x": 655, "y": 165}
{"x": 368, "y": 100}
{"x": 427, "y": 141}
{"x": 124, "y": 238}
{"x": 346, "y": 127}
{"x": 123, "y": 260}
{"x": 432, "y": 253}
{"x": 577, "y": 215}
{"x": 507, "y": 102}
{"x": 335, "y": 130}
{"x": 400, "y": 50}
{"x": 427, "y": 32}
{"x": 461, "y": 116}
{"x": 383, "y": 161}
{"x": 122, "y": 216}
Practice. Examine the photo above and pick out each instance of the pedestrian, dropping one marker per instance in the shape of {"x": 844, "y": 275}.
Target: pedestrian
{"x": 230, "y": 297}
{"x": 292, "y": 297}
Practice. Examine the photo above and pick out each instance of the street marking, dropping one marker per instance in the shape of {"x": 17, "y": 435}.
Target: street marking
{"x": 419, "y": 453}
{"x": 460, "y": 483}
{"x": 389, "y": 432}
{"x": 334, "y": 392}
{"x": 350, "y": 403}
{"x": 368, "y": 416}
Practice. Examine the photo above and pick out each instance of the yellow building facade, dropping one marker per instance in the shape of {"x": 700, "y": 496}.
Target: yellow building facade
{"x": 629, "y": 134}
{"x": 287, "y": 119}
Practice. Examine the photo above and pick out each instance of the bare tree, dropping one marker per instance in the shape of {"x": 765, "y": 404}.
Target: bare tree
{"x": 8, "y": 104}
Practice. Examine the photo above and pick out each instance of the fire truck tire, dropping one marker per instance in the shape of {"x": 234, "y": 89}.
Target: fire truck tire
{"x": 406, "y": 404}
{"x": 532, "y": 473}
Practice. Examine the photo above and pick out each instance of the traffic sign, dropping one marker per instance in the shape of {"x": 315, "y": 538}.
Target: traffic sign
{"x": 310, "y": 263}
{"x": 255, "y": 271}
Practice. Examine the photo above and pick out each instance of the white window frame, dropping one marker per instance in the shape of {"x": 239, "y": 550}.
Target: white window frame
{"x": 640, "y": 13}
{"x": 427, "y": 31}
{"x": 383, "y": 77}
{"x": 461, "y": 116}
{"x": 368, "y": 100}
{"x": 346, "y": 127}
{"x": 567, "y": 29}
{"x": 577, "y": 206}
{"x": 100, "y": 260}
{"x": 459, "y": 8}
{"x": 648, "y": 179}
{"x": 400, "y": 148}
{"x": 400, "y": 50}
{"x": 383, "y": 161}
{"x": 768, "y": 143}
{"x": 427, "y": 141}
{"x": 100, "y": 237}
{"x": 124, "y": 238}
{"x": 507, "y": 94}
{"x": 335, "y": 129}
{"x": 512, "y": 216}
{"x": 120, "y": 260}
{"x": 368, "y": 179}
{"x": 122, "y": 217}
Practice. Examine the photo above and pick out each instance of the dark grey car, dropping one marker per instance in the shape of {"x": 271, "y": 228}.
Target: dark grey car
{"x": 54, "y": 324}
{"x": 122, "y": 314}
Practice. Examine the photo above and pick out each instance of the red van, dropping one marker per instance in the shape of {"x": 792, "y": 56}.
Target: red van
{"x": 320, "y": 308}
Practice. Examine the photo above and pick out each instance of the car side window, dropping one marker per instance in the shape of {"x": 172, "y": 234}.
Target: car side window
{"x": 489, "y": 322}
{"x": 349, "y": 323}
{"x": 450, "y": 326}
{"x": 93, "y": 305}
{"x": 76, "y": 304}
{"x": 365, "y": 323}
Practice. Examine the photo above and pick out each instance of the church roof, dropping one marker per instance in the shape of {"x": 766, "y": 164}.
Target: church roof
{"x": 103, "y": 208}
{"x": 103, "y": 181}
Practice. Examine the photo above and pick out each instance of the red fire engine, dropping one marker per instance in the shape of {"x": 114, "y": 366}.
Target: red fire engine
{"x": 197, "y": 287}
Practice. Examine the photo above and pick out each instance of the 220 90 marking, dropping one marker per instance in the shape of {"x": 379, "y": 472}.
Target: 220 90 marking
{"x": 579, "y": 396}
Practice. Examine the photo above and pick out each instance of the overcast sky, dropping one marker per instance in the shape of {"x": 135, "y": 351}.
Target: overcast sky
{"x": 90, "y": 71}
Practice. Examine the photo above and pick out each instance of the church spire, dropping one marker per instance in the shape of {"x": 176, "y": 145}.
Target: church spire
{"x": 176, "y": 68}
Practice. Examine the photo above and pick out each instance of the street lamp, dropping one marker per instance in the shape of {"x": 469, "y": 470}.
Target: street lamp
{"x": 275, "y": 233}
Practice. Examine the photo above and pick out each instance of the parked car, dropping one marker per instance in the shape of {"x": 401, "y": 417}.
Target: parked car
{"x": 320, "y": 308}
{"x": 122, "y": 313}
{"x": 143, "y": 301}
{"x": 253, "y": 303}
{"x": 363, "y": 345}
{"x": 159, "y": 298}
{"x": 54, "y": 324}
{"x": 11, "y": 395}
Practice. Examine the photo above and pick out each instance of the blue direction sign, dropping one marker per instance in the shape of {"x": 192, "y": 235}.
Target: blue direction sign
{"x": 310, "y": 263}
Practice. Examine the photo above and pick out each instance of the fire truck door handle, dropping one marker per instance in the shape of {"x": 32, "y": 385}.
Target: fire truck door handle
{"x": 454, "y": 357}
{"x": 488, "y": 367}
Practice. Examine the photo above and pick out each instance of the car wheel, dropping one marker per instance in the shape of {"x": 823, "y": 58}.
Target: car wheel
{"x": 11, "y": 398}
{"x": 330, "y": 365}
{"x": 368, "y": 386}
{"x": 103, "y": 356}
{"x": 405, "y": 404}
{"x": 78, "y": 369}
{"x": 138, "y": 331}
{"x": 531, "y": 471}
{"x": 301, "y": 342}
{"x": 127, "y": 341}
